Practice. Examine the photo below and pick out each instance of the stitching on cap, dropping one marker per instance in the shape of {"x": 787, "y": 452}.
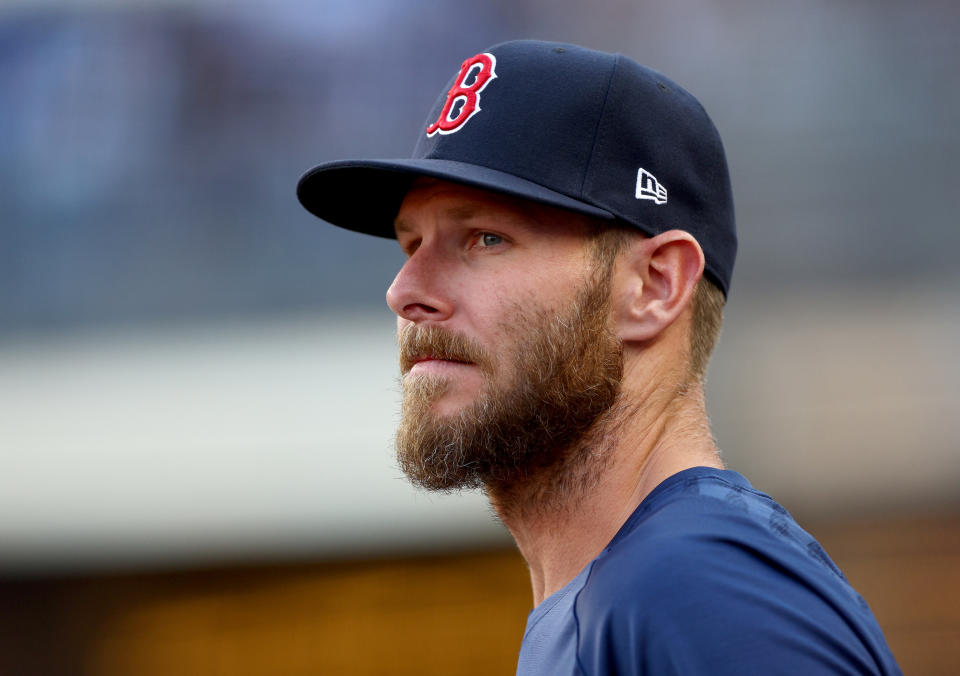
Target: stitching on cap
{"x": 596, "y": 132}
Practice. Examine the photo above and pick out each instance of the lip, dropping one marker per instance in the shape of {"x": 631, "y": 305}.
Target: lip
{"x": 428, "y": 364}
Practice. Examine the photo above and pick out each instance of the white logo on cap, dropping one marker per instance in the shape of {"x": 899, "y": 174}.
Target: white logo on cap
{"x": 649, "y": 188}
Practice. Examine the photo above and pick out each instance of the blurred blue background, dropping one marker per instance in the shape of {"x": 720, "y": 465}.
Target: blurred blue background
{"x": 193, "y": 368}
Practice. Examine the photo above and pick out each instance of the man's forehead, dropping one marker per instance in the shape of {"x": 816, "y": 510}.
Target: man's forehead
{"x": 425, "y": 187}
{"x": 459, "y": 202}
{"x": 456, "y": 212}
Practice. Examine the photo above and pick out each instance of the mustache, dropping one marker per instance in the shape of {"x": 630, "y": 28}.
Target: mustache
{"x": 417, "y": 342}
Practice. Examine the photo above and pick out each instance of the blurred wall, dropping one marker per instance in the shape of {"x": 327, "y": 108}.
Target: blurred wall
{"x": 191, "y": 366}
{"x": 195, "y": 372}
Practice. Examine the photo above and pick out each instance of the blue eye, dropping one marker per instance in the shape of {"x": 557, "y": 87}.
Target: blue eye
{"x": 489, "y": 239}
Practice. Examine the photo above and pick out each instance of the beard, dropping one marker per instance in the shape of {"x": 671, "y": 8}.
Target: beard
{"x": 566, "y": 373}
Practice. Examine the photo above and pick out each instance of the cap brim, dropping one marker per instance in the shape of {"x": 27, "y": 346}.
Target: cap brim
{"x": 365, "y": 195}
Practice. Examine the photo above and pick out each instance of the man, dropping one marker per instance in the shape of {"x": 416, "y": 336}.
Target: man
{"x": 568, "y": 225}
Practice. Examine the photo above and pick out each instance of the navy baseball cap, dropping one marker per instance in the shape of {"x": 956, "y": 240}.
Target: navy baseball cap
{"x": 574, "y": 128}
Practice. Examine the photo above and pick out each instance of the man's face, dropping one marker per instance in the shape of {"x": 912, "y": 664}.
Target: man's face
{"x": 505, "y": 348}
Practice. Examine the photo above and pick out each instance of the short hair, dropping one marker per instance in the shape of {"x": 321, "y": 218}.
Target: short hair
{"x": 606, "y": 243}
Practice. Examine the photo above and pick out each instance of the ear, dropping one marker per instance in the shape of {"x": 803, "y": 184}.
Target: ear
{"x": 656, "y": 280}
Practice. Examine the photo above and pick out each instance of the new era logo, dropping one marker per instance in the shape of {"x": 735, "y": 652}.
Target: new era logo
{"x": 649, "y": 188}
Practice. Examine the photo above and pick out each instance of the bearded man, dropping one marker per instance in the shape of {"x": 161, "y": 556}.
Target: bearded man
{"x": 568, "y": 225}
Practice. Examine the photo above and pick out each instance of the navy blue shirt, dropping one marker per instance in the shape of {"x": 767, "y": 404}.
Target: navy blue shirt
{"x": 707, "y": 576}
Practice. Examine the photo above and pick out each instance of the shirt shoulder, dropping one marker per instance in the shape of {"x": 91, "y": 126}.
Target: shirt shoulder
{"x": 711, "y": 576}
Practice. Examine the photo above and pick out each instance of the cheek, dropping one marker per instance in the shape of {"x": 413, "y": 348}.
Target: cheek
{"x": 482, "y": 300}
{"x": 500, "y": 307}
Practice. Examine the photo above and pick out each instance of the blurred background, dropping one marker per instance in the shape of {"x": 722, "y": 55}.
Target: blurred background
{"x": 197, "y": 378}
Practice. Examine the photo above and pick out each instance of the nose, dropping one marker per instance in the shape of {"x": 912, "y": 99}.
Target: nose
{"x": 419, "y": 291}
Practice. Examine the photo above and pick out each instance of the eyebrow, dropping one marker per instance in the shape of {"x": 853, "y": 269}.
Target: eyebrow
{"x": 461, "y": 212}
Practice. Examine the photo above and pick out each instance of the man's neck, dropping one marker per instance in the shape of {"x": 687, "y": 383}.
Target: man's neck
{"x": 563, "y": 518}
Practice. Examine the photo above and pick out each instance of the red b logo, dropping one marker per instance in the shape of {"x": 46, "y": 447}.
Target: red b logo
{"x": 452, "y": 117}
